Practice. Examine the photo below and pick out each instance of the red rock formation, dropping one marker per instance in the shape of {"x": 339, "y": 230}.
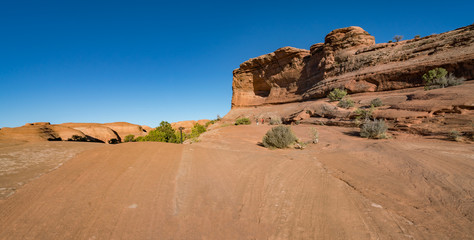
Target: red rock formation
{"x": 124, "y": 128}
{"x": 29, "y": 133}
{"x": 95, "y": 132}
{"x": 188, "y": 125}
{"x": 349, "y": 58}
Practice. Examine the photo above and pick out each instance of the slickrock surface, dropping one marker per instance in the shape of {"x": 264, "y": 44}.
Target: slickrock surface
{"x": 229, "y": 187}
{"x": 432, "y": 113}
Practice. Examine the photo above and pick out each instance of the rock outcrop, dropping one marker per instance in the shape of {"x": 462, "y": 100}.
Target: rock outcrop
{"x": 434, "y": 113}
{"x": 94, "y": 132}
{"x": 30, "y": 133}
{"x": 349, "y": 58}
{"x": 124, "y": 128}
{"x": 188, "y": 125}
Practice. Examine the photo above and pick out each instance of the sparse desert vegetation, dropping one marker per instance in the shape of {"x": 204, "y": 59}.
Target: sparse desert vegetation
{"x": 364, "y": 114}
{"x": 242, "y": 121}
{"x": 376, "y": 129}
{"x": 440, "y": 78}
{"x": 279, "y": 137}
{"x": 337, "y": 94}
{"x": 376, "y": 102}
{"x": 346, "y": 102}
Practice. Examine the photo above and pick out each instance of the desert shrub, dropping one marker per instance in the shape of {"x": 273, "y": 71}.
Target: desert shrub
{"x": 377, "y": 102}
{"x": 314, "y": 135}
{"x": 197, "y": 130}
{"x": 129, "y": 138}
{"x": 210, "y": 123}
{"x": 163, "y": 133}
{"x": 417, "y": 36}
{"x": 337, "y": 94}
{"x": 275, "y": 121}
{"x": 397, "y": 38}
{"x": 364, "y": 114}
{"x": 242, "y": 121}
{"x": 390, "y": 41}
{"x": 77, "y": 138}
{"x": 374, "y": 129}
{"x": 279, "y": 137}
{"x": 346, "y": 103}
{"x": 139, "y": 139}
{"x": 454, "y": 136}
{"x": 433, "y": 74}
{"x": 439, "y": 78}
{"x": 218, "y": 118}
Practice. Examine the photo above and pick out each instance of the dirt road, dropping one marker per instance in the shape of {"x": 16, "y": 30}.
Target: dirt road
{"x": 229, "y": 187}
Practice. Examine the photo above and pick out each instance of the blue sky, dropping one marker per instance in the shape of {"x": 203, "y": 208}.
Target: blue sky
{"x": 148, "y": 61}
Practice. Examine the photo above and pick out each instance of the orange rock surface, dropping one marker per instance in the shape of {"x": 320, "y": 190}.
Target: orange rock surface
{"x": 349, "y": 58}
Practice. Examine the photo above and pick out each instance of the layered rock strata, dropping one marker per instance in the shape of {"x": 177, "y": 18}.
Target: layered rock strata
{"x": 350, "y": 59}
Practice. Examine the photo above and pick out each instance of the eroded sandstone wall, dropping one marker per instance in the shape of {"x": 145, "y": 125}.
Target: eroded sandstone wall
{"x": 349, "y": 58}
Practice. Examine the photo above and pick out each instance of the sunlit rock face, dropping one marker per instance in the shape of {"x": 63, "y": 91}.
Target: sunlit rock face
{"x": 349, "y": 58}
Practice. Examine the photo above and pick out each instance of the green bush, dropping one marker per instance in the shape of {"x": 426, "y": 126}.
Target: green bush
{"x": 275, "y": 121}
{"x": 337, "y": 94}
{"x": 129, "y": 138}
{"x": 279, "y": 137}
{"x": 364, "y": 114}
{"x": 197, "y": 130}
{"x": 163, "y": 133}
{"x": 346, "y": 103}
{"x": 77, "y": 138}
{"x": 374, "y": 129}
{"x": 242, "y": 121}
{"x": 210, "y": 123}
{"x": 432, "y": 75}
{"x": 439, "y": 78}
{"x": 377, "y": 102}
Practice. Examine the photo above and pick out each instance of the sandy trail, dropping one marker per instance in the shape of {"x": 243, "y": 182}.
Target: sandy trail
{"x": 228, "y": 187}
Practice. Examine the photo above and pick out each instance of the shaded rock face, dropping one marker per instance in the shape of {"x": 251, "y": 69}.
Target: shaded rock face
{"x": 123, "y": 129}
{"x": 278, "y": 75}
{"x": 349, "y": 58}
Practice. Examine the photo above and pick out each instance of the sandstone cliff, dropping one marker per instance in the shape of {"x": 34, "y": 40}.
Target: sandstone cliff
{"x": 349, "y": 58}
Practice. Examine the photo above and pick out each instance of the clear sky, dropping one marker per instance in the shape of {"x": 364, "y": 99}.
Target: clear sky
{"x": 147, "y": 61}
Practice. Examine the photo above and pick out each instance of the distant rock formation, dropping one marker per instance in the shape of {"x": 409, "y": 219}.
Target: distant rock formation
{"x": 188, "y": 125}
{"x": 350, "y": 59}
{"x": 94, "y": 132}
{"x": 123, "y": 129}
